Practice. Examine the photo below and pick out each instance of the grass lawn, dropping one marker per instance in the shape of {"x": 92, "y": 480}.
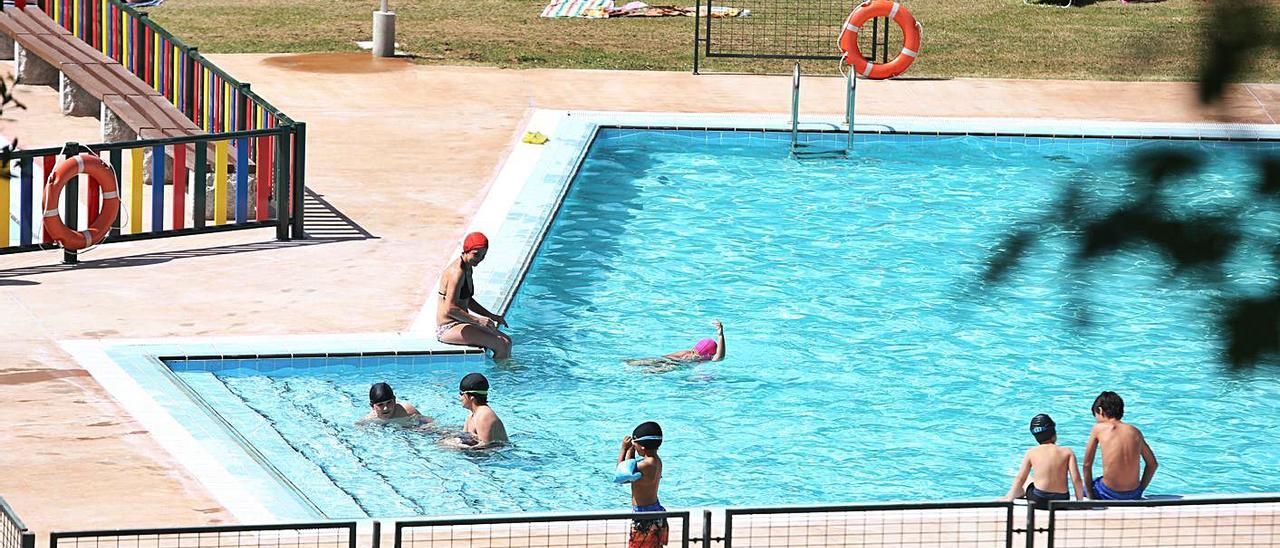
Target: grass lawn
{"x": 983, "y": 38}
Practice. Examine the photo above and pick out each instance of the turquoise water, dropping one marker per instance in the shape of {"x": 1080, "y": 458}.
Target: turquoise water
{"x": 864, "y": 361}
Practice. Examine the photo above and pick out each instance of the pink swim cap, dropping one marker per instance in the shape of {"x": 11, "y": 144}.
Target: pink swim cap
{"x": 705, "y": 348}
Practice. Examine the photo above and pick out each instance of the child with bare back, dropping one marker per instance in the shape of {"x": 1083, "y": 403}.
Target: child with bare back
{"x": 639, "y": 465}
{"x": 1122, "y": 447}
{"x": 1052, "y": 464}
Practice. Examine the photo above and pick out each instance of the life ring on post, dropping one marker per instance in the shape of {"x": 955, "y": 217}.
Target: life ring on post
{"x": 910, "y": 39}
{"x": 100, "y": 175}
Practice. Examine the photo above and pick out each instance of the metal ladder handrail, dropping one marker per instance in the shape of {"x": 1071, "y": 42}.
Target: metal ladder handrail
{"x": 850, "y": 96}
{"x": 795, "y": 107}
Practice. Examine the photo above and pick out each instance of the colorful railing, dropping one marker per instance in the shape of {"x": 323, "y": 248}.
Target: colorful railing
{"x": 205, "y": 93}
{"x": 228, "y": 199}
{"x": 248, "y": 138}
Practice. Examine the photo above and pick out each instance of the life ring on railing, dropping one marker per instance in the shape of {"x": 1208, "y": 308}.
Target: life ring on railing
{"x": 100, "y": 175}
{"x": 910, "y": 39}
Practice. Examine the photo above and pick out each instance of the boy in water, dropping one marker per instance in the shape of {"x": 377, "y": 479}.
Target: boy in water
{"x": 383, "y": 407}
{"x": 483, "y": 427}
{"x": 1051, "y": 463}
{"x": 1122, "y": 446}
{"x": 639, "y": 454}
{"x": 706, "y": 350}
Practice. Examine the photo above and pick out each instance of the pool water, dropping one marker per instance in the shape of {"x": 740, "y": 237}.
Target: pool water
{"x": 864, "y": 360}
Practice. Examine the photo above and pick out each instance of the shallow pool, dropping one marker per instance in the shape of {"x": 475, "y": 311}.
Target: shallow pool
{"x": 864, "y": 361}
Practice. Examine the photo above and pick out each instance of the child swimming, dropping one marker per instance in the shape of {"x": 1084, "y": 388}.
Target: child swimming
{"x": 705, "y": 350}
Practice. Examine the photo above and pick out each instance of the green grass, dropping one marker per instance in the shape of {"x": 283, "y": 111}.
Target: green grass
{"x": 1104, "y": 40}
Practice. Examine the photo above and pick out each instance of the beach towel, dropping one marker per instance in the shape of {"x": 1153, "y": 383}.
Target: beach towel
{"x": 588, "y": 9}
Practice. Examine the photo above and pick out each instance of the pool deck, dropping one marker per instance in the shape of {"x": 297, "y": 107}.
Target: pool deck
{"x": 406, "y": 152}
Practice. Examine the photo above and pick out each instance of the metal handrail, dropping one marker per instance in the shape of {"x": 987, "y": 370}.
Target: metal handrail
{"x": 850, "y": 95}
{"x": 795, "y": 107}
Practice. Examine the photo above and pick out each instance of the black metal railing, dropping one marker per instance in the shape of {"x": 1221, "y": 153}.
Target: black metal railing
{"x": 584, "y": 530}
{"x": 13, "y": 533}
{"x": 962, "y": 523}
{"x": 1236, "y": 521}
{"x": 296, "y": 535}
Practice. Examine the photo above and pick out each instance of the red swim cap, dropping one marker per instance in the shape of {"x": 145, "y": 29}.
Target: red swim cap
{"x": 474, "y": 241}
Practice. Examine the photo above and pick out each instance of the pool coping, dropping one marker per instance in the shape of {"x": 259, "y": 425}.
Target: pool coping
{"x": 518, "y": 210}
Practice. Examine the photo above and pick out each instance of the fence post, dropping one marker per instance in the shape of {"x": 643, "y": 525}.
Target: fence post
{"x": 299, "y": 178}
{"x": 728, "y": 524}
{"x": 282, "y": 183}
{"x": 377, "y": 534}
{"x": 706, "y": 529}
{"x": 697, "y": 31}
{"x": 1031, "y": 525}
{"x": 72, "y": 204}
{"x": 189, "y": 84}
{"x": 1049, "y": 542}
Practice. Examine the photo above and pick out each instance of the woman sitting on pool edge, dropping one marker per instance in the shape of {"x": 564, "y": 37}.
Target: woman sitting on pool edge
{"x": 706, "y": 350}
{"x": 454, "y": 319}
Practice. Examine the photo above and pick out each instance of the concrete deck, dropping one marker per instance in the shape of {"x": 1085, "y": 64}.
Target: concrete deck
{"x": 407, "y": 152}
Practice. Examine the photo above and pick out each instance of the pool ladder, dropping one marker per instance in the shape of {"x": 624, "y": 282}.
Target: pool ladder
{"x": 803, "y": 150}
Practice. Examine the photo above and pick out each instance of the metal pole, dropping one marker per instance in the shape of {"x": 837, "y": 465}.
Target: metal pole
{"x": 384, "y": 32}
{"x": 706, "y": 529}
{"x": 851, "y": 94}
{"x": 697, "y": 19}
{"x": 71, "y": 199}
{"x": 795, "y": 107}
{"x": 1031, "y": 525}
{"x": 299, "y": 179}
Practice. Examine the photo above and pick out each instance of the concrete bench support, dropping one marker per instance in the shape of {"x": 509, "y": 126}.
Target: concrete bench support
{"x": 6, "y": 48}
{"x": 76, "y": 101}
{"x": 114, "y": 129}
{"x": 32, "y": 70}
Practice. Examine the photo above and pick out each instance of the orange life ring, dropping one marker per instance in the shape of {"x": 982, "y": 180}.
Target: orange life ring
{"x": 910, "y": 39}
{"x": 100, "y": 175}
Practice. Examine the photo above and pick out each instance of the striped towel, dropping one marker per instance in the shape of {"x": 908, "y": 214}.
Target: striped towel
{"x": 589, "y": 9}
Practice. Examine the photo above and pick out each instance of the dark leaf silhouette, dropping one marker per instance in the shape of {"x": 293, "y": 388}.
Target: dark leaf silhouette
{"x": 1007, "y": 256}
{"x": 1252, "y": 328}
{"x": 1270, "y": 176}
{"x": 1157, "y": 165}
{"x": 1236, "y": 29}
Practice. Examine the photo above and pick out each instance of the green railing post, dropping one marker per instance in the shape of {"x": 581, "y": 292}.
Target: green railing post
{"x": 189, "y": 84}
{"x": 299, "y": 178}
{"x": 282, "y": 183}
{"x": 71, "y": 201}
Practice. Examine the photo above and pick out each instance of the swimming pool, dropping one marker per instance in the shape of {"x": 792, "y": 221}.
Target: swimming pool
{"x": 861, "y": 364}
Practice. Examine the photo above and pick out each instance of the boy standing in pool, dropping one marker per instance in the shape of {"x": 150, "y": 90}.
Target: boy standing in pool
{"x": 639, "y": 454}
{"x": 1052, "y": 464}
{"x": 1122, "y": 446}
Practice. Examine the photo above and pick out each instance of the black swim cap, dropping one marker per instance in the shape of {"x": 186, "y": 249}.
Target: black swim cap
{"x": 474, "y": 383}
{"x": 380, "y": 392}
{"x": 648, "y": 435}
{"x": 1042, "y": 428}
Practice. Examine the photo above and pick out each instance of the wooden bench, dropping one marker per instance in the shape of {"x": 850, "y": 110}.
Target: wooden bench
{"x": 92, "y": 84}
{"x": 127, "y": 106}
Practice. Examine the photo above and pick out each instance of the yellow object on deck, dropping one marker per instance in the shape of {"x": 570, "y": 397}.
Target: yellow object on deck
{"x": 535, "y": 138}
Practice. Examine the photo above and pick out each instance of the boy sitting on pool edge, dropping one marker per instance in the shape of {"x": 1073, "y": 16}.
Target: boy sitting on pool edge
{"x": 1122, "y": 447}
{"x": 1051, "y": 463}
{"x": 640, "y": 465}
